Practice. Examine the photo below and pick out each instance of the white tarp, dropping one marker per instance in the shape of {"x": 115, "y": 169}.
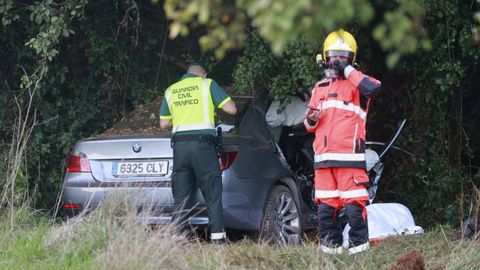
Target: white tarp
{"x": 387, "y": 219}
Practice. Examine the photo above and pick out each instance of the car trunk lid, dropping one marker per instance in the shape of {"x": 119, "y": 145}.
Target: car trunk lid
{"x": 128, "y": 159}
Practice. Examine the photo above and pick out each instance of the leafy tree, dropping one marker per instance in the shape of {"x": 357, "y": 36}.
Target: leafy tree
{"x": 102, "y": 59}
{"x": 437, "y": 94}
{"x": 282, "y": 22}
{"x": 294, "y": 71}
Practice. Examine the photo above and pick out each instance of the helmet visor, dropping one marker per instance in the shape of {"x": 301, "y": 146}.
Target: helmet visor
{"x": 339, "y": 53}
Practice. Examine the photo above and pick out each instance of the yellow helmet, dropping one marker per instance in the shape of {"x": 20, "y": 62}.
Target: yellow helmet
{"x": 340, "y": 43}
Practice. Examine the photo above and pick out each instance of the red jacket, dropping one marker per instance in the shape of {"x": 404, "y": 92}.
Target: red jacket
{"x": 340, "y": 131}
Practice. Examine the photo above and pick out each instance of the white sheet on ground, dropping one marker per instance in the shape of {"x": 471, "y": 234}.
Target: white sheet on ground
{"x": 387, "y": 219}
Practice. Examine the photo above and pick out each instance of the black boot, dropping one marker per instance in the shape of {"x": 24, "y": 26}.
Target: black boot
{"x": 358, "y": 234}
{"x": 329, "y": 229}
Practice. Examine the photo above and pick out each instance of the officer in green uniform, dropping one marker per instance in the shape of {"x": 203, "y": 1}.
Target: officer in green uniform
{"x": 188, "y": 105}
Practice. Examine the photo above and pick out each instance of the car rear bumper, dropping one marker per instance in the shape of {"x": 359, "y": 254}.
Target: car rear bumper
{"x": 154, "y": 204}
{"x": 138, "y": 196}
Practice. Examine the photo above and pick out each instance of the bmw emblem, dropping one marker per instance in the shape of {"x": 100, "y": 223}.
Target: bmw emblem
{"x": 137, "y": 147}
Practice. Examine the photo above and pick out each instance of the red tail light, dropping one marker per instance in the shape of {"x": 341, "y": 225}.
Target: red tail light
{"x": 78, "y": 162}
{"x": 227, "y": 159}
{"x": 71, "y": 206}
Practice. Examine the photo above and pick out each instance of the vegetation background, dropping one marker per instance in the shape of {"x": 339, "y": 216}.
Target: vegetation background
{"x": 72, "y": 68}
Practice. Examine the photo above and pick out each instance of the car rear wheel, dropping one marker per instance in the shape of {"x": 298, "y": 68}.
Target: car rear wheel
{"x": 282, "y": 223}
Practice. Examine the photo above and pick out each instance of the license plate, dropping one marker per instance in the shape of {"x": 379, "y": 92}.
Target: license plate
{"x": 140, "y": 168}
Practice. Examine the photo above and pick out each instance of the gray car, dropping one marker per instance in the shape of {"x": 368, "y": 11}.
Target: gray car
{"x": 261, "y": 192}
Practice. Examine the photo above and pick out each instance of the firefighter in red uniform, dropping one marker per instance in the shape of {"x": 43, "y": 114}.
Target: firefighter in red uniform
{"x": 337, "y": 115}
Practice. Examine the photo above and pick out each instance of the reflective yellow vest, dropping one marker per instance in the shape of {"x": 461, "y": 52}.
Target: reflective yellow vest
{"x": 190, "y": 104}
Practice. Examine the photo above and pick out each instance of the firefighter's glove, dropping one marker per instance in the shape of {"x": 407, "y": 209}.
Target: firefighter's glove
{"x": 340, "y": 66}
{"x": 312, "y": 116}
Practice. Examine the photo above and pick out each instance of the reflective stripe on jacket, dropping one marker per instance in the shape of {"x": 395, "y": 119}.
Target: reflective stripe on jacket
{"x": 190, "y": 104}
{"x": 340, "y": 131}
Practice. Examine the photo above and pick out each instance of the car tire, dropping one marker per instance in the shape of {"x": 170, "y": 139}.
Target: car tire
{"x": 282, "y": 222}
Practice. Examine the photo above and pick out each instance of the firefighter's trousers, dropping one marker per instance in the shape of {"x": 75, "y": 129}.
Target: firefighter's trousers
{"x": 337, "y": 188}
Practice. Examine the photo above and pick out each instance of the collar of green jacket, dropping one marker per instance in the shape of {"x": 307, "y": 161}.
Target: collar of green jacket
{"x": 189, "y": 75}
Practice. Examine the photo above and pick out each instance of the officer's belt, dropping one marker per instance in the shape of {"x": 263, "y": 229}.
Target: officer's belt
{"x": 195, "y": 137}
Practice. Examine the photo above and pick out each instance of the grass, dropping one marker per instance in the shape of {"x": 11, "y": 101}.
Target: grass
{"x": 104, "y": 241}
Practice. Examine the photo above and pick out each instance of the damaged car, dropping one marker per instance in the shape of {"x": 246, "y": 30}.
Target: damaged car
{"x": 262, "y": 192}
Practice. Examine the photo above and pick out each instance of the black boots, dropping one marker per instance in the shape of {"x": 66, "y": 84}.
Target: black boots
{"x": 331, "y": 229}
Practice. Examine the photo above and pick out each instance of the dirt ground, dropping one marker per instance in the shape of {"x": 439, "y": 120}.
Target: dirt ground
{"x": 143, "y": 120}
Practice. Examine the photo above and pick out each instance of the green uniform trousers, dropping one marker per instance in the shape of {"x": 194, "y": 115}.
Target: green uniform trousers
{"x": 195, "y": 164}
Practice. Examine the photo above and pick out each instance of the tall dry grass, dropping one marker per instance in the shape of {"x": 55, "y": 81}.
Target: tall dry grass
{"x": 22, "y": 128}
{"x": 112, "y": 237}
